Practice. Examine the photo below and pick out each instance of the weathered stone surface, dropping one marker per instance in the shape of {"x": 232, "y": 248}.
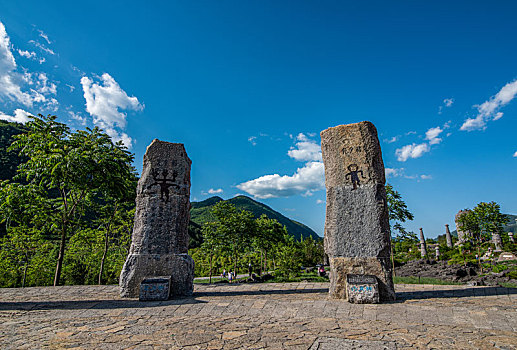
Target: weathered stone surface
{"x": 510, "y": 237}
{"x": 498, "y": 242}
{"x": 437, "y": 252}
{"x": 357, "y": 234}
{"x": 327, "y": 343}
{"x": 155, "y": 288}
{"x": 448, "y": 236}
{"x": 423, "y": 246}
{"x": 462, "y": 236}
{"x": 506, "y": 256}
{"x": 160, "y": 237}
{"x": 258, "y": 316}
{"x": 362, "y": 289}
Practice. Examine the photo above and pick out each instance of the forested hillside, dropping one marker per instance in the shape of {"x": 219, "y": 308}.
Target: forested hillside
{"x": 200, "y": 213}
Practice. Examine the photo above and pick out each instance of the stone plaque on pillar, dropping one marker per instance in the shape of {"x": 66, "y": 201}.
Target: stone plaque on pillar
{"x": 155, "y": 288}
{"x": 362, "y": 289}
{"x": 357, "y": 232}
{"x": 160, "y": 237}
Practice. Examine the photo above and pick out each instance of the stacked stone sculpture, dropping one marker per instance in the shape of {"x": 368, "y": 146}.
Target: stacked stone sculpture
{"x": 160, "y": 237}
{"x": 357, "y": 232}
{"x": 448, "y": 236}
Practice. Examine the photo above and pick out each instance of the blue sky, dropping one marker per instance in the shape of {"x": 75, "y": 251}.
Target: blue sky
{"x": 248, "y": 85}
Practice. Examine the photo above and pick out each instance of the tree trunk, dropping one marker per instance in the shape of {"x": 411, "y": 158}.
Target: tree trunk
{"x": 60, "y": 257}
{"x": 25, "y": 273}
{"x": 210, "y": 273}
{"x": 392, "y": 260}
{"x": 261, "y": 263}
{"x": 104, "y": 255}
{"x": 235, "y": 263}
{"x": 265, "y": 262}
{"x": 106, "y": 243}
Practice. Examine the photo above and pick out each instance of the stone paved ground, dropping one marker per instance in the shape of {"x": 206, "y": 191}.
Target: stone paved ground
{"x": 255, "y": 316}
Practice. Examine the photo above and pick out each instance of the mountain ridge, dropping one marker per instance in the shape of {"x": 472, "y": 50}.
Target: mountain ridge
{"x": 200, "y": 213}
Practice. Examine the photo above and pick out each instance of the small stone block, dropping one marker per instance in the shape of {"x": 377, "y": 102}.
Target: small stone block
{"x": 362, "y": 289}
{"x": 506, "y": 256}
{"x": 155, "y": 288}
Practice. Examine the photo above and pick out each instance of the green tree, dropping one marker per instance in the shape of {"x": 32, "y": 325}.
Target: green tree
{"x": 269, "y": 233}
{"x": 213, "y": 240}
{"x": 24, "y": 211}
{"x": 71, "y": 168}
{"x": 397, "y": 209}
{"x": 483, "y": 221}
{"x": 288, "y": 257}
{"x": 235, "y": 229}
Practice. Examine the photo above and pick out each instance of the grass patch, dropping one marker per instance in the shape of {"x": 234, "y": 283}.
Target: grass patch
{"x": 508, "y": 285}
{"x": 422, "y": 280}
{"x": 205, "y": 281}
{"x": 309, "y": 277}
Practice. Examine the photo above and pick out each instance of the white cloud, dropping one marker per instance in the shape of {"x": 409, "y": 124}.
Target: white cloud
{"x": 319, "y": 201}
{"x": 44, "y": 36}
{"x": 42, "y": 47}
{"x": 71, "y": 87}
{"x": 27, "y": 54}
{"x": 305, "y": 181}
{"x": 252, "y": 139}
{"x": 212, "y": 191}
{"x": 20, "y": 116}
{"x": 78, "y": 117}
{"x": 448, "y": 102}
{"x": 489, "y": 110}
{"x": 426, "y": 177}
{"x": 306, "y": 149}
{"x": 44, "y": 86}
{"x": 411, "y": 151}
{"x": 432, "y": 135}
{"x": 10, "y": 80}
{"x": 515, "y": 154}
{"x": 392, "y": 172}
{"x": 393, "y": 139}
{"x": 104, "y": 100}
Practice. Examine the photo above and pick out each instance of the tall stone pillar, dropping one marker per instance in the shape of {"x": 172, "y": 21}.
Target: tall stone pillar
{"x": 423, "y": 246}
{"x": 437, "y": 252}
{"x": 448, "y": 236}
{"x": 462, "y": 236}
{"x": 510, "y": 237}
{"x": 357, "y": 232}
{"x": 160, "y": 237}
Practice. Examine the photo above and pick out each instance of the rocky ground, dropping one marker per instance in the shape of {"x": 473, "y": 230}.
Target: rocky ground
{"x": 470, "y": 274}
{"x": 258, "y": 316}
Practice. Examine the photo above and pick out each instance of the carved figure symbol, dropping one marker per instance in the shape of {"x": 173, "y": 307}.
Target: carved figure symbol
{"x": 354, "y": 175}
{"x": 164, "y": 183}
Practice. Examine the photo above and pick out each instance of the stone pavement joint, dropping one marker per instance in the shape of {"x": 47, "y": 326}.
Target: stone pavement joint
{"x": 258, "y": 316}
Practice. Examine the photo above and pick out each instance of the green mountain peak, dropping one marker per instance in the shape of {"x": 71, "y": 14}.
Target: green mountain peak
{"x": 200, "y": 213}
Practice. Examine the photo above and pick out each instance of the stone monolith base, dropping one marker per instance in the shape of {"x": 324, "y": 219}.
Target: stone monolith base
{"x": 180, "y": 267}
{"x": 341, "y": 267}
{"x": 357, "y": 232}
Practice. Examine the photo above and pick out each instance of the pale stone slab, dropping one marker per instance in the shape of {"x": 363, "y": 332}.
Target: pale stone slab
{"x": 362, "y": 289}
{"x": 155, "y": 288}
